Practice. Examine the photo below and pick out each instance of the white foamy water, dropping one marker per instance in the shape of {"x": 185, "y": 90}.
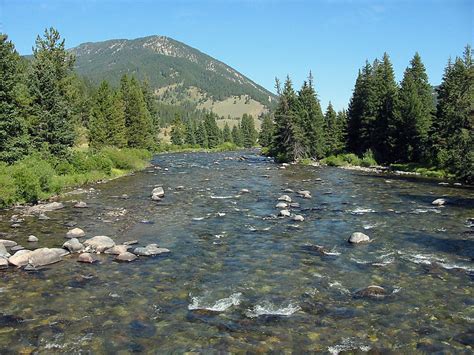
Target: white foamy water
{"x": 451, "y": 266}
{"x": 369, "y": 226}
{"x": 219, "y": 306}
{"x": 348, "y": 344}
{"x": 425, "y": 259}
{"x": 361, "y": 211}
{"x": 267, "y": 308}
{"x": 221, "y": 197}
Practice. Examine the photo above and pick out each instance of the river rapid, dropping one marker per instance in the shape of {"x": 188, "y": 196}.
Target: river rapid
{"x": 239, "y": 278}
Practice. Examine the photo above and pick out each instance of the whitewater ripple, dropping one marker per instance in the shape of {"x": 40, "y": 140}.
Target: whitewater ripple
{"x": 219, "y": 306}
{"x": 270, "y": 309}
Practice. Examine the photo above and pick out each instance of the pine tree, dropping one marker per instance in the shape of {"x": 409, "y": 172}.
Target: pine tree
{"x": 13, "y": 129}
{"x": 178, "y": 134}
{"x": 151, "y": 104}
{"x": 288, "y": 141}
{"x": 311, "y": 120}
{"x": 331, "y": 128}
{"x": 249, "y": 134}
{"x": 266, "y": 131}
{"x": 201, "y": 135}
{"x": 341, "y": 132}
{"x": 453, "y": 129}
{"x": 227, "y": 134}
{"x": 51, "y": 126}
{"x": 212, "y": 131}
{"x": 414, "y": 114}
{"x": 237, "y": 136}
{"x": 190, "y": 136}
{"x": 138, "y": 123}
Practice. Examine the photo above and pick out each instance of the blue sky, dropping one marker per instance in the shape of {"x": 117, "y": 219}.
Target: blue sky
{"x": 266, "y": 38}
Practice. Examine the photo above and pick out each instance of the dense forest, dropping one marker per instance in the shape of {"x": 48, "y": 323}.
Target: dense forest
{"x": 386, "y": 122}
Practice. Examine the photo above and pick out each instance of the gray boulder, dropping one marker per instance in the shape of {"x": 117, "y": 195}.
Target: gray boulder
{"x": 80, "y": 204}
{"x": 7, "y": 243}
{"x": 304, "y": 193}
{"x": 150, "y": 250}
{"x": 47, "y": 207}
{"x": 75, "y": 233}
{"x": 158, "y": 192}
{"x": 281, "y": 205}
{"x": 117, "y": 249}
{"x": 439, "y": 202}
{"x": 32, "y": 239}
{"x": 3, "y": 251}
{"x": 358, "y": 237}
{"x": 16, "y": 248}
{"x": 73, "y": 245}
{"x": 3, "y": 262}
{"x": 284, "y": 213}
{"x": 99, "y": 243}
{"x": 126, "y": 256}
{"x": 372, "y": 291}
{"x": 284, "y": 198}
{"x": 298, "y": 218}
{"x": 86, "y": 258}
{"x": 46, "y": 256}
{"x": 20, "y": 258}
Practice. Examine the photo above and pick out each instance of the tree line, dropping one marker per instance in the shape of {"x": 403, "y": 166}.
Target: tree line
{"x": 207, "y": 134}
{"x": 408, "y": 122}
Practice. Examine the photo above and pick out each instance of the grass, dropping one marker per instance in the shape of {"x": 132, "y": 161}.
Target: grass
{"x": 40, "y": 176}
{"x": 423, "y": 170}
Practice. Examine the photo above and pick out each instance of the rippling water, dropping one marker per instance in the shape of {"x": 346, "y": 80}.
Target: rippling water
{"x": 240, "y": 279}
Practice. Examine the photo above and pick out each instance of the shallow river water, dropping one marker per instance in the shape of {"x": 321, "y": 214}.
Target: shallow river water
{"x": 238, "y": 278}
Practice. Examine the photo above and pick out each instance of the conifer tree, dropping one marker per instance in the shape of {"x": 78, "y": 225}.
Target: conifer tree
{"x": 227, "y": 134}
{"x": 13, "y": 129}
{"x": 212, "y": 131}
{"x": 151, "y": 104}
{"x": 311, "y": 120}
{"x": 201, "y": 135}
{"x": 190, "y": 137}
{"x": 249, "y": 134}
{"x": 414, "y": 114}
{"x": 237, "y": 136}
{"x": 341, "y": 132}
{"x": 178, "y": 134}
{"x": 51, "y": 67}
{"x": 266, "y": 131}
{"x": 331, "y": 128}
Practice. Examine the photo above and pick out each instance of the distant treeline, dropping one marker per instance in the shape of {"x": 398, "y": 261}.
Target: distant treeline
{"x": 393, "y": 123}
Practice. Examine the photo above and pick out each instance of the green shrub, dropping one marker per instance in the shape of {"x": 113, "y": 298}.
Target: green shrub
{"x": 334, "y": 160}
{"x": 351, "y": 158}
{"x": 368, "y": 159}
{"x": 8, "y": 190}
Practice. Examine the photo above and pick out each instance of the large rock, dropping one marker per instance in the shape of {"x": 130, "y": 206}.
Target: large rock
{"x": 150, "y": 250}
{"x": 20, "y": 258}
{"x": 284, "y": 213}
{"x": 298, "y": 218}
{"x": 126, "y": 256}
{"x": 46, "y": 256}
{"x": 117, "y": 249}
{"x": 281, "y": 205}
{"x": 41, "y": 209}
{"x": 7, "y": 243}
{"x": 3, "y": 251}
{"x": 73, "y": 245}
{"x": 158, "y": 192}
{"x": 284, "y": 198}
{"x": 3, "y": 262}
{"x": 304, "y": 193}
{"x": 80, "y": 204}
{"x": 99, "y": 243}
{"x": 32, "y": 239}
{"x": 86, "y": 258}
{"x": 358, "y": 237}
{"x": 75, "y": 233}
{"x": 371, "y": 291}
{"x": 439, "y": 202}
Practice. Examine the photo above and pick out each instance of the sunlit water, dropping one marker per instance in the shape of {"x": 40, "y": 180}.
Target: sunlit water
{"x": 240, "y": 279}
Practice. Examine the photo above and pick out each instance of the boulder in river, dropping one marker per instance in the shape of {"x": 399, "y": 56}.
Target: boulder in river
{"x": 284, "y": 213}
{"x": 20, "y": 258}
{"x": 358, "y": 237}
{"x": 86, "y": 258}
{"x": 32, "y": 239}
{"x": 244, "y": 191}
{"x": 281, "y": 205}
{"x": 99, "y": 243}
{"x": 75, "y": 233}
{"x": 3, "y": 262}
{"x": 284, "y": 198}
{"x": 3, "y": 251}
{"x": 298, "y": 218}
{"x": 126, "y": 256}
{"x": 130, "y": 242}
{"x": 372, "y": 291}
{"x": 73, "y": 245}
{"x": 117, "y": 249}
{"x": 80, "y": 204}
{"x": 47, "y": 207}
{"x": 150, "y": 250}
{"x": 46, "y": 256}
{"x": 304, "y": 193}
{"x": 158, "y": 193}
{"x": 7, "y": 243}
{"x": 439, "y": 202}
{"x": 17, "y": 247}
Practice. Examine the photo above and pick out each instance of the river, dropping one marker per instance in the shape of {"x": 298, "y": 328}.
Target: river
{"x": 240, "y": 279}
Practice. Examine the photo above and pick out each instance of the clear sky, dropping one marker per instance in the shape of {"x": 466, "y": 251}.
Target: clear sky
{"x": 266, "y": 38}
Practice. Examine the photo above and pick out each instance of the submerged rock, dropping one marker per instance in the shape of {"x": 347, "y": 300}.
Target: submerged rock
{"x": 244, "y": 191}
{"x": 3, "y": 251}
{"x": 99, "y": 243}
{"x": 439, "y": 202}
{"x": 7, "y": 243}
{"x": 298, "y": 218}
{"x": 80, "y": 204}
{"x": 75, "y": 233}
{"x": 358, "y": 237}
{"x": 131, "y": 242}
{"x": 284, "y": 198}
{"x": 41, "y": 209}
{"x": 86, "y": 258}
{"x": 126, "y": 256}
{"x": 46, "y": 256}
{"x": 281, "y": 205}
{"x": 284, "y": 213}
{"x": 372, "y": 291}
{"x": 150, "y": 250}
{"x": 32, "y": 239}
{"x": 73, "y": 245}
{"x": 304, "y": 193}
{"x": 3, "y": 262}
{"x": 17, "y": 247}
{"x": 117, "y": 249}
{"x": 20, "y": 258}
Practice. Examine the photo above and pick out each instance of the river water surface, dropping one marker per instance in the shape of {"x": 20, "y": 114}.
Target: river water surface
{"x": 238, "y": 278}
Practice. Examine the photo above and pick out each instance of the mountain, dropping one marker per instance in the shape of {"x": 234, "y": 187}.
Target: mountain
{"x": 176, "y": 72}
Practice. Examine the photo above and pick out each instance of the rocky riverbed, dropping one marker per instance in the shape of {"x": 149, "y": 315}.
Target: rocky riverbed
{"x": 230, "y": 252}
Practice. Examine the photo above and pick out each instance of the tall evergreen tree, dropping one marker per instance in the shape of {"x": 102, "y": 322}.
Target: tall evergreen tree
{"x": 227, "y": 134}
{"x": 201, "y": 135}
{"x": 13, "y": 129}
{"x": 190, "y": 137}
{"x": 237, "y": 136}
{"x": 331, "y": 128}
{"x": 51, "y": 67}
{"x": 266, "y": 131}
{"x": 414, "y": 114}
{"x": 212, "y": 131}
{"x": 341, "y": 132}
{"x": 178, "y": 134}
{"x": 249, "y": 133}
{"x": 453, "y": 129}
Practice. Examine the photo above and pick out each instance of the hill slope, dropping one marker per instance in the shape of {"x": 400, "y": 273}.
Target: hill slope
{"x": 176, "y": 72}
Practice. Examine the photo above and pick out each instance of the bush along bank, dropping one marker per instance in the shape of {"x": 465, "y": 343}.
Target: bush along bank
{"x": 40, "y": 175}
